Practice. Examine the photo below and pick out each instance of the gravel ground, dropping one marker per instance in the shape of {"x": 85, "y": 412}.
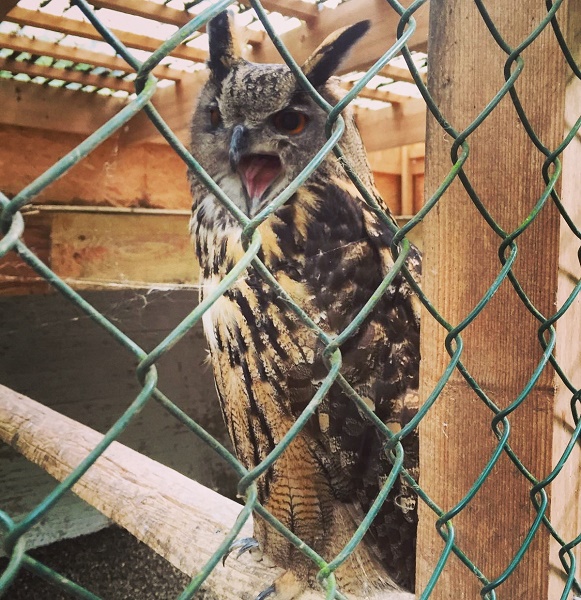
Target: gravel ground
{"x": 111, "y": 563}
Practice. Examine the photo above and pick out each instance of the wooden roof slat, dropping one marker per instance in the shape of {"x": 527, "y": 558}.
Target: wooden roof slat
{"x": 70, "y": 76}
{"x": 36, "y": 18}
{"x": 56, "y": 109}
{"x": 379, "y": 94}
{"x": 291, "y": 8}
{"x": 303, "y": 40}
{"x": 78, "y": 55}
{"x": 400, "y": 74}
{"x": 395, "y": 125}
{"x": 164, "y": 14}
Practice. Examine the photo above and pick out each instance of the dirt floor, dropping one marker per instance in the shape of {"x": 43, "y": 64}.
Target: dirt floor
{"x": 111, "y": 564}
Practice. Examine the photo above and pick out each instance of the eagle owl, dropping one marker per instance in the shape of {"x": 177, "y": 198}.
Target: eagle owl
{"x": 254, "y": 130}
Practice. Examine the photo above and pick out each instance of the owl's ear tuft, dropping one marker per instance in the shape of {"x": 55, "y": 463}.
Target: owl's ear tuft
{"x": 224, "y": 49}
{"x": 326, "y": 59}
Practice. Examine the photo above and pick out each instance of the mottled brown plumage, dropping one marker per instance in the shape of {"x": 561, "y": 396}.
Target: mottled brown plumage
{"x": 254, "y": 130}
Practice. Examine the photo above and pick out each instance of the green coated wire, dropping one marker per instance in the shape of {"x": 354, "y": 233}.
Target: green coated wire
{"x": 12, "y": 226}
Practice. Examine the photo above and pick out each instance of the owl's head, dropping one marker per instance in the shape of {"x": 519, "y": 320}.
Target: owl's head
{"x": 254, "y": 128}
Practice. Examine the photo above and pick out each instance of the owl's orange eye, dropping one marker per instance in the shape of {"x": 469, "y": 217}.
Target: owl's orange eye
{"x": 215, "y": 117}
{"x": 290, "y": 121}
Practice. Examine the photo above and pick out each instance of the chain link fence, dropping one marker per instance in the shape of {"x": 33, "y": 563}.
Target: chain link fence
{"x": 13, "y": 225}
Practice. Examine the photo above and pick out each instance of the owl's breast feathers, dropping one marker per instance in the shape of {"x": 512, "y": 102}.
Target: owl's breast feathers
{"x": 330, "y": 252}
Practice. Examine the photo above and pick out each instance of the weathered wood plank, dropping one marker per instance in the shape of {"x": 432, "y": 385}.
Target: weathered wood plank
{"x": 177, "y": 517}
{"x": 20, "y": 43}
{"x": 35, "y": 18}
{"x": 566, "y": 514}
{"x": 501, "y": 348}
{"x": 128, "y": 249}
{"x": 33, "y": 70}
{"x": 52, "y": 351}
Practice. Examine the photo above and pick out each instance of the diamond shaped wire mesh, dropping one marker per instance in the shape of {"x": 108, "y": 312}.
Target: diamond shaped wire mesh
{"x": 13, "y": 225}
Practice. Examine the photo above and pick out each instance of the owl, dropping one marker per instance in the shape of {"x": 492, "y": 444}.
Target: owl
{"x": 254, "y": 130}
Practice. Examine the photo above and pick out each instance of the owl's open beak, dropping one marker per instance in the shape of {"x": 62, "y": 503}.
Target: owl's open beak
{"x": 258, "y": 172}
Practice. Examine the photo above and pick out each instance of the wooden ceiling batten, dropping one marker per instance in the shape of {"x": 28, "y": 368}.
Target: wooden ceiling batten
{"x": 303, "y": 40}
{"x": 21, "y": 43}
{"x": 381, "y": 94}
{"x": 36, "y": 18}
{"x": 68, "y": 75}
{"x": 400, "y": 74}
{"x": 291, "y": 8}
{"x": 164, "y": 14}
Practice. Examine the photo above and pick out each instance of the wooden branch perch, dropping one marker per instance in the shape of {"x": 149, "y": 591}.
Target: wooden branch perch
{"x": 180, "y": 519}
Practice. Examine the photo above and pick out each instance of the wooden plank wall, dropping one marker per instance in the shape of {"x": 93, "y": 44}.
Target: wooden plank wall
{"x": 129, "y": 221}
{"x": 54, "y": 353}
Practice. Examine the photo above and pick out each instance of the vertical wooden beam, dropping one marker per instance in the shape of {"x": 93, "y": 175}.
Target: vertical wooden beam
{"x": 407, "y": 183}
{"x": 501, "y": 349}
{"x": 565, "y": 513}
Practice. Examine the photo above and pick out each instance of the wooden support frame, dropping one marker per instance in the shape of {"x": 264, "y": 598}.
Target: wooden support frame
{"x": 501, "y": 348}
{"x": 164, "y": 14}
{"x": 178, "y": 518}
{"x": 78, "y": 55}
{"x": 68, "y": 75}
{"x": 41, "y": 107}
{"x": 393, "y": 126}
{"x": 292, "y": 8}
{"x": 400, "y": 74}
{"x": 31, "y": 105}
{"x": 303, "y": 40}
{"x": 67, "y": 26}
{"x": 380, "y": 94}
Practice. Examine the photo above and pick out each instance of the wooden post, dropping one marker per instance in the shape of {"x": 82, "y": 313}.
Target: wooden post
{"x": 501, "y": 347}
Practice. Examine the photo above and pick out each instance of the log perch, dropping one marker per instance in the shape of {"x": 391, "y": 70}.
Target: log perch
{"x": 176, "y": 517}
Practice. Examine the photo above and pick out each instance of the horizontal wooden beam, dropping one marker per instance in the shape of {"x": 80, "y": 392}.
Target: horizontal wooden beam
{"x": 400, "y": 74}
{"x": 20, "y": 43}
{"x": 135, "y": 491}
{"x": 397, "y": 125}
{"x": 177, "y": 517}
{"x": 55, "y": 109}
{"x": 380, "y": 129}
{"x": 303, "y": 40}
{"x": 380, "y": 94}
{"x": 29, "y": 105}
{"x": 165, "y": 14}
{"x": 175, "y": 104}
{"x": 36, "y": 18}
{"x": 70, "y": 76}
{"x": 291, "y": 8}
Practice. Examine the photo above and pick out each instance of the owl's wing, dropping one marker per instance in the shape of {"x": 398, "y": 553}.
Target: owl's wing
{"x": 347, "y": 254}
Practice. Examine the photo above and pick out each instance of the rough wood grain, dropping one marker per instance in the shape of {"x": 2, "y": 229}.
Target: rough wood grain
{"x": 123, "y": 248}
{"x": 177, "y": 517}
{"x": 566, "y": 514}
{"x": 501, "y": 348}
{"x": 50, "y": 351}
